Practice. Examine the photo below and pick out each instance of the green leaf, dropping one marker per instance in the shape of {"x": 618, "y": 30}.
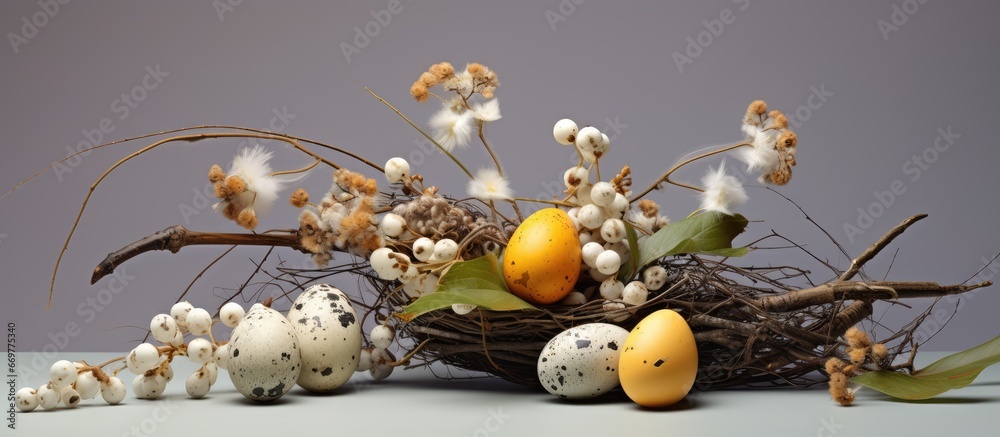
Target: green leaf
{"x": 475, "y": 282}
{"x": 951, "y": 372}
{"x": 710, "y": 233}
{"x": 909, "y": 387}
{"x": 629, "y": 269}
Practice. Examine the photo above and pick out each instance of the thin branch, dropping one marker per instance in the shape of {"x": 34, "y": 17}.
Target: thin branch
{"x": 877, "y": 247}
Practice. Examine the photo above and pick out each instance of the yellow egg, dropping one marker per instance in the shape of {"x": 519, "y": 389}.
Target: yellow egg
{"x": 542, "y": 261}
{"x": 659, "y": 360}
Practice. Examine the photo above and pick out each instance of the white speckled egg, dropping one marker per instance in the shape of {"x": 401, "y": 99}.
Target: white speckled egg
{"x": 264, "y": 357}
{"x": 582, "y": 362}
{"x": 329, "y": 337}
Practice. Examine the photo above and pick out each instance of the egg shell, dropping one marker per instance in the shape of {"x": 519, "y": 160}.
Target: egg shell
{"x": 582, "y": 362}
{"x": 542, "y": 261}
{"x": 329, "y": 337}
{"x": 659, "y": 360}
{"x": 264, "y": 359}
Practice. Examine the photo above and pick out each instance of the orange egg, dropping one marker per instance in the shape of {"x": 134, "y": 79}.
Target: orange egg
{"x": 542, "y": 261}
{"x": 659, "y": 360}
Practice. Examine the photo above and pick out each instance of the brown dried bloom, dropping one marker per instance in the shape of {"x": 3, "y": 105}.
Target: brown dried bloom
{"x": 442, "y": 71}
{"x": 221, "y": 191}
{"x": 858, "y": 356}
{"x": 879, "y": 352}
{"x": 427, "y": 79}
{"x": 300, "y": 198}
{"x": 857, "y": 338}
{"x": 839, "y": 390}
{"x": 350, "y": 181}
{"x": 216, "y": 174}
{"x": 247, "y": 219}
{"x": 235, "y": 185}
{"x": 649, "y": 208}
{"x": 778, "y": 119}
{"x": 835, "y": 365}
{"x": 622, "y": 181}
{"x": 419, "y": 91}
{"x": 756, "y": 109}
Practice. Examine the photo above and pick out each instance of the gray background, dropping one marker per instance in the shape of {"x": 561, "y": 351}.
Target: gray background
{"x": 606, "y": 61}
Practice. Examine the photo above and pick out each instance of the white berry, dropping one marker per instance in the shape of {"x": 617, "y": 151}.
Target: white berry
{"x": 654, "y": 277}
{"x": 591, "y": 216}
{"x": 608, "y": 262}
{"x": 199, "y": 350}
{"x": 180, "y": 311}
{"x": 611, "y": 289}
{"x": 381, "y": 336}
{"x": 25, "y": 399}
{"x": 231, "y": 313}
{"x": 619, "y": 206}
{"x": 589, "y": 139}
{"x": 635, "y": 293}
{"x": 393, "y": 225}
{"x": 564, "y": 131}
{"x": 575, "y": 176}
{"x": 47, "y": 396}
{"x": 383, "y": 260}
{"x": 63, "y": 373}
{"x": 197, "y": 385}
{"x": 113, "y": 392}
{"x": 153, "y": 386}
{"x": 423, "y": 249}
{"x": 591, "y": 251}
{"x": 613, "y": 230}
{"x": 444, "y": 250}
{"x": 616, "y": 308}
{"x": 365, "y": 360}
{"x": 163, "y": 327}
{"x": 462, "y": 309}
{"x": 574, "y": 298}
{"x": 221, "y": 355}
{"x": 199, "y": 321}
{"x": 380, "y": 364}
{"x": 87, "y": 385}
{"x": 603, "y": 194}
{"x": 69, "y": 397}
{"x": 397, "y": 170}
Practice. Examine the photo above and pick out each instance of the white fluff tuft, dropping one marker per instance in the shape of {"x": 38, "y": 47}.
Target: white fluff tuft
{"x": 452, "y": 129}
{"x": 253, "y": 165}
{"x": 490, "y": 185}
{"x": 723, "y": 192}
{"x": 488, "y": 111}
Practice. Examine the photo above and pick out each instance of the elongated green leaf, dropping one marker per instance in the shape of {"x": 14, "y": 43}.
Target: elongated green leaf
{"x": 977, "y": 358}
{"x": 909, "y": 387}
{"x": 949, "y": 373}
{"x": 475, "y": 282}
{"x": 709, "y": 233}
{"x": 631, "y": 264}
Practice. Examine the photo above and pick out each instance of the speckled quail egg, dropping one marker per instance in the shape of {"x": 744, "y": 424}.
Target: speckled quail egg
{"x": 582, "y": 362}
{"x": 329, "y": 337}
{"x": 264, "y": 359}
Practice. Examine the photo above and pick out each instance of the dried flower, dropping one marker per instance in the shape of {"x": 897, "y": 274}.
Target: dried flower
{"x": 835, "y": 365}
{"x": 451, "y": 128}
{"x": 247, "y": 219}
{"x": 839, "y": 390}
{"x": 857, "y": 338}
{"x": 215, "y": 173}
{"x": 489, "y": 184}
{"x": 879, "y": 352}
{"x": 300, "y": 198}
{"x": 419, "y": 91}
{"x": 442, "y": 71}
{"x": 723, "y": 192}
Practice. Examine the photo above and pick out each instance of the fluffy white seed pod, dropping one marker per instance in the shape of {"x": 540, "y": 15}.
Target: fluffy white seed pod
{"x": 383, "y": 262}
{"x": 231, "y": 313}
{"x": 589, "y": 139}
{"x": 462, "y": 309}
{"x": 113, "y": 391}
{"x": 611, "y": 289}
{"x": 199, "y": 321}
{"x": 397, "y": 170}
{"x": 618, "y": 206}
{"x": 393, "y": 225}
{"x": 179, "y": 312}
{"x": 574, "y": 298}
{"x": 25, "y": 399}
{"x": 163, "y": 328}
{"x": 381, "y": 336}
{"x": 63, "y": 373}
{"x": 602, "y": 194}
{"x": 613, "y": 230}
{"x": 635, "y": 293}
{"x": 87, "y": 385}
{"x": 197, "y": 385}
{"x": 591, "y": 251}
{"x": 199, "y": 350}
{"x": 591, "y": 216}
{"x": 565, "y": 131}
{"x": 608, "y": 262}
{"x": 69, "y": 397}
{"x": 423, "y": 249}
{"x": 654, "y": 277}
{"x": 444, "y": 250}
